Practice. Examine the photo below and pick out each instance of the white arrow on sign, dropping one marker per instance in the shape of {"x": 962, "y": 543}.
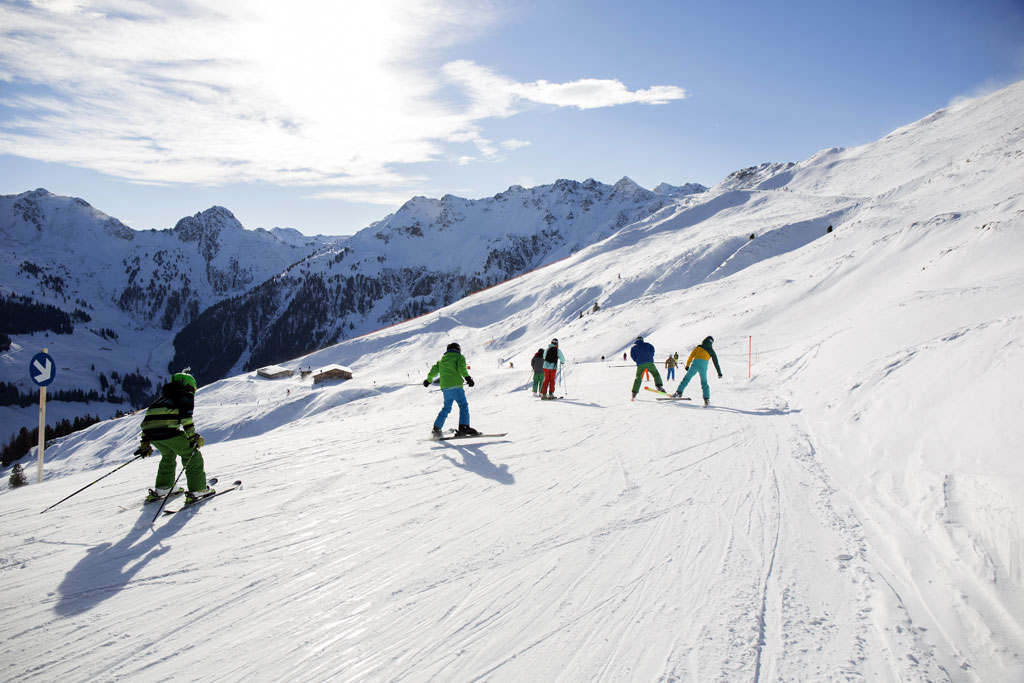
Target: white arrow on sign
{"x": 44, "y": 370}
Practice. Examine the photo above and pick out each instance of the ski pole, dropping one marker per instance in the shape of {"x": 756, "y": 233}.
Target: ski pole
{"x": 88, "y": 485}
{"x": 565, "y": 388}
{"x": 164, "y": 501}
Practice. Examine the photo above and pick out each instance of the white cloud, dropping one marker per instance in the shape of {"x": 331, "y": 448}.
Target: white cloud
{"x": 298, "y": 93}
{"x": 383, "y": 198}
{"x": 513, "y": 144}
{"x": 496, "y": 95}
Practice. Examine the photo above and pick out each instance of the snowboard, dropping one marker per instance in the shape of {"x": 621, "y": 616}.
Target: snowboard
{"x": 459, "y": 437}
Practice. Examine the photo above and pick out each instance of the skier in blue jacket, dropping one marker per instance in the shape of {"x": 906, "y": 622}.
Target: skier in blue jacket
{"x": 642, "y": 354}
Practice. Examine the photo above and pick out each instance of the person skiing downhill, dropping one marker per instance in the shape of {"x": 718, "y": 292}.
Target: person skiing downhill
{"x": 552, "y": 357}
{"x": 698, "y": 363}
{"x": 452, "y": 369}
{"x": 537, "y": 363}
{"x": 168, "y": 426}
{"x": 642, "y": 354}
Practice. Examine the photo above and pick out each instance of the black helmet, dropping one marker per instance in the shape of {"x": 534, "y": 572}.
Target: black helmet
{"x": 455, "y": 347}
{"x": 709, "y": 339}
{"x": 639, "y": 338}
{"x": 554, "y": 342}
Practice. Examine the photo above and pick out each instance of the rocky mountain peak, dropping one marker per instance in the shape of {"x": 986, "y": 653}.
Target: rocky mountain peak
{"x": 205, "y": 229}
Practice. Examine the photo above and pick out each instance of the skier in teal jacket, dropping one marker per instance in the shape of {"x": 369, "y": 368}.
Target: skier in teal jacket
{"x": 452, "y": 369}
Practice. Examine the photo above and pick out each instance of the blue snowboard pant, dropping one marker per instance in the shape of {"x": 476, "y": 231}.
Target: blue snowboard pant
{"x": 701, "y": 366}
{"x": 453, "y": 395}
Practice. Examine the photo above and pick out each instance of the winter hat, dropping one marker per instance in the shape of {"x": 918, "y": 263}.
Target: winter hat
{"x": 185, "y": 378}
{"x": 708, "y": 340}
{"x": 455, "y": 347}
{"x": 639, "y": 338}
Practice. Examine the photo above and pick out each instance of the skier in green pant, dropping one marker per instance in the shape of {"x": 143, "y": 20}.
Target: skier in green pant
{"x": 642, "y": 354}
{"x": 168, "y": 426}
{"x": 537, "y": 364}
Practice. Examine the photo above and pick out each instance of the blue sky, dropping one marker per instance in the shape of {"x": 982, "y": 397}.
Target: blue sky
{"x": 326, "y": 116}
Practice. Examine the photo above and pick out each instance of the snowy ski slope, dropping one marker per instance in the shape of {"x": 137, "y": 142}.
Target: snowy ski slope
{"x": 852, "y": 510}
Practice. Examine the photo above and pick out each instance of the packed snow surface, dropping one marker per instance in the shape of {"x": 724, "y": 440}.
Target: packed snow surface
{"x": 848, "y": 508}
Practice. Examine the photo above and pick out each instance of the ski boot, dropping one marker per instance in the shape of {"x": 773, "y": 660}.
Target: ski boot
{"x": 466, "y": 430}
{"x": 707, "y": 402}
{"x": 436, "y": 432}
{"x": 159, "y": 494}
{"x": 193, "y": 496}
{"x": 661, "y": 389}
{"x": 678, "y": 394}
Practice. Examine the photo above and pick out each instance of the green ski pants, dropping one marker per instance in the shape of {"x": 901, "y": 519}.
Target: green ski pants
{"x": 170, "y": 450}
{"x": 640, "y": 375}
{"x": 538, "y": 377}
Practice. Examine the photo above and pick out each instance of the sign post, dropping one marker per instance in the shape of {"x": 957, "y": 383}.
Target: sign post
{"x": 42, "y": 370}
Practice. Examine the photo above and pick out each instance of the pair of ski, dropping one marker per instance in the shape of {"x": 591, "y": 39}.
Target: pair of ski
{"x": 200, "y": 499}
{"x": 664, "y": 396}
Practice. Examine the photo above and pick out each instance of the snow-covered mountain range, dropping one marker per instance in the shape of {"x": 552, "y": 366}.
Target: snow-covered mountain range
{"x": 424, "y": 256}
{"x": 219, "y": 298}
{"x": 849, "y": 508}
{"x": 107, "y": 300}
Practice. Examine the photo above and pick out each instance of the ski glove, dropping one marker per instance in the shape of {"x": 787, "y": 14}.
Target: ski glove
{"x": 144, "y": 449}
{"x": 469, "y": 380}
{"x": 426, "y": 383}
{"x": 195, "y": 440}
{"x": 719, "y": 375}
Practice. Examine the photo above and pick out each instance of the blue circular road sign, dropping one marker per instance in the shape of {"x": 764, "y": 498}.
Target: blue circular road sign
{"x": 42, "y": 369}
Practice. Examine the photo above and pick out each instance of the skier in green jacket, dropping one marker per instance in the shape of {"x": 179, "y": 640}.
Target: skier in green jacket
{"x": 168, "y": 426}
{"x": 452, "y": 369}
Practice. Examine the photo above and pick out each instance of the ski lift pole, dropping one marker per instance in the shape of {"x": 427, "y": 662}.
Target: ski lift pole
{"x": 164, "y": 501}
{"x": 88, "y": 485}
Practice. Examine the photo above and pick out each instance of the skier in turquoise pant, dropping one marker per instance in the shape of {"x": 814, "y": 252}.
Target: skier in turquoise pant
{"x": 698, "y": 363}
{"x": 452, "y": 369}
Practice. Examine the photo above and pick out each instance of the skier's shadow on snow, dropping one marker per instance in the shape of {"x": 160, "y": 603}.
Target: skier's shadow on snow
{"x": 109, "y": 568}
{"x": 577, "y": 402}
{"x": 475, "y": 460}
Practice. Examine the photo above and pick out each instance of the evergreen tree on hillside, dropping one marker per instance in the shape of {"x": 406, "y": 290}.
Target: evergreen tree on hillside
{"x": 17, "y": 477}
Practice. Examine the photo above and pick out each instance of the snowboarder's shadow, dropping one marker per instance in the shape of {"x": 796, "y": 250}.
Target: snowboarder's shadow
{"x": 475, "y": 460}
{"x": 109, "y": 568}
{"x": 723, "y": 409}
